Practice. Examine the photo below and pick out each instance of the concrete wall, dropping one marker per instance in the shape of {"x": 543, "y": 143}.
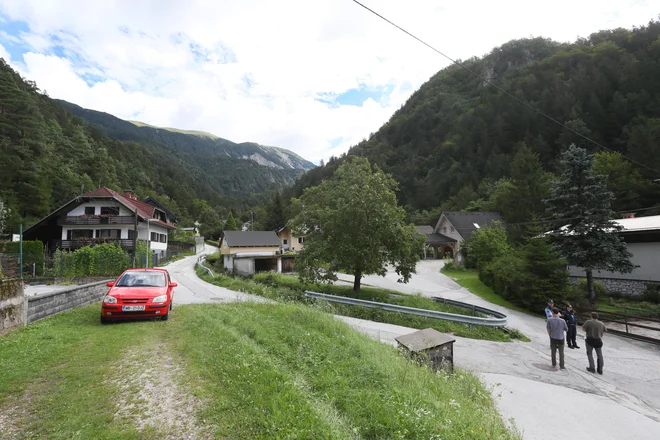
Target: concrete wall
{"x": 48, "y": 304}
{"x": 12, "y": 304}
{"x": 645, "y": 255}
{"x": 244, "y": 266}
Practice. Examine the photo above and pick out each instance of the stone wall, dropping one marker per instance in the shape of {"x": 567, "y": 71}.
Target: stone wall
{"x": 625, "y": 287}
{"x": 12, "y": 304}
{"x": 48, "y": 304}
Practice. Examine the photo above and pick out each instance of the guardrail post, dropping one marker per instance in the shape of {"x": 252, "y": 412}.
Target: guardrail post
{"x": 625, "y": 318}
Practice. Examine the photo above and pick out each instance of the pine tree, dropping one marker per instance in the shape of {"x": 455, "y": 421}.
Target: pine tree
{"x": 275, "y": 217}
{"x": 230, "y": 224}
{"x": 580, "y": 204}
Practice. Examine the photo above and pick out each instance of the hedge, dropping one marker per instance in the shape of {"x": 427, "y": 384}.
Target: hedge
{"x": 33, "y": 253}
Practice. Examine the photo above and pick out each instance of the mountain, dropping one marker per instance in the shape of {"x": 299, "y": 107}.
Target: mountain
{"x": 199, "y": 143}
{"x": 457, "y": 134}
{"x": 48, "y": 156}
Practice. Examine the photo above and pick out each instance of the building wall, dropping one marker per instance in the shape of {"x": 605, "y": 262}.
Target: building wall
{"x": 292, "y": 241}
{"x": 244, "y": 266}
{"x": 143, "y": 232}
{"x": 445, "y": 228}
{"x": 645, "y": 255}
{"x": 234, "y": 250}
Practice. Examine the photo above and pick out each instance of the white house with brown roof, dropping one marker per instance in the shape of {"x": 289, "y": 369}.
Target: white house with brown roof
{"x": 104, "y": 216}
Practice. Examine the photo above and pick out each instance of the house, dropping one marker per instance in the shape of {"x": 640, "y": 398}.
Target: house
{"x": 290, "y": 242}
{"x": 248, "y": 252}
{"x": 451, "y": 230}
{"x": 642, "y": 237}
{"x": 104, "y": 216}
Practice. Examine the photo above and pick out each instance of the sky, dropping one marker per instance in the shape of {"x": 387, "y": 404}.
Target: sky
{"x": 312, "y": 76}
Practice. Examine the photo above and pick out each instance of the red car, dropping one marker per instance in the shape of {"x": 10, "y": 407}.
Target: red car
{"x": 138, "y": 293}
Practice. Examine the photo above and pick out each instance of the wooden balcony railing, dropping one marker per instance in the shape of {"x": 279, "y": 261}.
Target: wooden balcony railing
{"x": 99, "y": 220}
{"x": 81, "y": 242}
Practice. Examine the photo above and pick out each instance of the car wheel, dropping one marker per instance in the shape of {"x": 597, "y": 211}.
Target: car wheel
{"x": 171, "y": 303}
{"x": 166, "y": 316}
{"x": 104, "y": 321}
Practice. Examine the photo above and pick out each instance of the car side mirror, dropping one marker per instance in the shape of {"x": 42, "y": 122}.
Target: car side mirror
{"x": 110, "y": 283}
{"x": 173, "y": 284}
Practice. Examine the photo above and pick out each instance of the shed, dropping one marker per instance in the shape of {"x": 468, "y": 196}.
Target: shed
{"x": 429, "y": 346}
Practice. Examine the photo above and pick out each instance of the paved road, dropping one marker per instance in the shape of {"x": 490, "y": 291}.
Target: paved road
{"x": 624, "y": 403}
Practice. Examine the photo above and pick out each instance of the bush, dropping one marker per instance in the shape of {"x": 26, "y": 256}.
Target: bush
{"x": 652, "y": 294}
{"x": 100, "y": 260}
{"x": 451, "y": 266}
{"x": 599, "y": 288}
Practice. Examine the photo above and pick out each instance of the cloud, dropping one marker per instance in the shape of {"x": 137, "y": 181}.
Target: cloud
{"x": 258, "y": 70}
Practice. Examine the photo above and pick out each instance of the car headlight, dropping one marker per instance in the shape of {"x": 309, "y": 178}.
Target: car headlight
{"x": 160, "y": 299}
{"x": 109, "y": 299}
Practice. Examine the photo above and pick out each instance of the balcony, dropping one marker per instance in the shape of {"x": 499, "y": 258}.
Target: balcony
{"x": 81, "y": 242}
{"x": 99, "y": 220}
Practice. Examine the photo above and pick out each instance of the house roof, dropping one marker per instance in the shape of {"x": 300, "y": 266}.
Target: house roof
{"x": 424, "y": 229}
{"x": 650, "y": 223}
{"x": 466, "y": 223}
{"x": 151, "y": 201}
{"x": 251, "y": 238}
{"x": 437, "y": 239}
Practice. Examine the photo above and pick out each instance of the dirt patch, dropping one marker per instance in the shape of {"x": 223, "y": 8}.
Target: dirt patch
{"x": 16, "y": 412}
{"x": 151, "y": 398}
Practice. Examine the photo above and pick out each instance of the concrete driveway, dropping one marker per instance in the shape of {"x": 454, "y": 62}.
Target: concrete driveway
{"x": 624, "y": 403}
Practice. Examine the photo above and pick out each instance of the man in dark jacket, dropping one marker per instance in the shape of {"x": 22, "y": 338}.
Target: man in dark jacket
{"x": 571, "y": 322}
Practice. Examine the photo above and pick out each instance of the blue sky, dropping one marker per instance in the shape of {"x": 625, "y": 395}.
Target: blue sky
{"x": 313, "y": 80}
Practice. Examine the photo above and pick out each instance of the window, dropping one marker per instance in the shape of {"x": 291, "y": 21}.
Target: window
{"x": 131, "y": 234}
{"x": 75, "y": 234}
{"x": 452, "y": 229}
{"x": 444, "y": 229}
{"x": 154, "y": 236}
{"x": 109, "y": 210}
{"x": 285, "y": 241}
{"x": 142, "y": 279}
{"x": 301, "y": 240}
{"x": 108, "y": 233}
{"x": 163, "y": 238}
{"x": 89, "y": 210}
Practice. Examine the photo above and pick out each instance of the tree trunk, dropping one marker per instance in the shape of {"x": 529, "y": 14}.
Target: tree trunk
{"x": 358, "y": 278}
{"x": 590, "y": 288}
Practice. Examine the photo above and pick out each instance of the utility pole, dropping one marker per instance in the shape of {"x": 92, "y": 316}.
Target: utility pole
{"x": 135, "y": 232}
{"x": 20, "y": 250}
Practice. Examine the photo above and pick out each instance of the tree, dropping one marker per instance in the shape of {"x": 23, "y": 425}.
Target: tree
{"x": 580, "y": 204}
{"x": 275, "y": 217}
{"x": 622, "y": 179}
{"x": 230, "y": 224}
{"x": 486, "y": 244}
{"x": 353, "y": 223}
{"x": 210, "y": 224}
{"x": 4, "y": 215}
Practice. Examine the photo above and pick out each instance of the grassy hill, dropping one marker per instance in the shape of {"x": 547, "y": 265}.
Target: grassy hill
{"x": 238, "y": 371}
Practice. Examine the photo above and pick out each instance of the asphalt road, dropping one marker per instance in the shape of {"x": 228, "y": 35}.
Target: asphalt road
{"x": 624, "y": 403}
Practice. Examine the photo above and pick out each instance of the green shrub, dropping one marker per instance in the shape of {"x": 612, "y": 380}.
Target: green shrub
{"x": 599, "y": 288}
{"x": 651, "y": 295}
{"x": 100, "y": 260}
{"x": 487, "y": 244}
{"x": 451, "y": 266}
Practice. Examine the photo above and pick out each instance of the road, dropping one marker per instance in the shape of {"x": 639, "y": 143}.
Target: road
{"x": 624, "y": 403}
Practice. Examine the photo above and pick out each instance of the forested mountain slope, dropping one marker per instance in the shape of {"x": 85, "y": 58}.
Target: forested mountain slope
{"x": 200, "y": 145}
{"x": 456, "y": 134}
{"x": 48, "y": 156}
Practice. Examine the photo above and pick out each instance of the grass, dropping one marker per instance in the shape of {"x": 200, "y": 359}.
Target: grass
{"x": 289, "y": 288}
{"x": 470, "y": 280}
{"x": 259, "y": 371}
{"x": 630, "y": 307}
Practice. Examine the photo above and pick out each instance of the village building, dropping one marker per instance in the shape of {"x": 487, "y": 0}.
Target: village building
{"x": 249, "y": 252}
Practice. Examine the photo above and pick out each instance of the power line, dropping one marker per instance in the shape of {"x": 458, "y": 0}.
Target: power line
{"x": 504, "y": 91}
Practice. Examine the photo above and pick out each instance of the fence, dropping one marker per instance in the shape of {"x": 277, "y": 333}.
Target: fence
{"x": 623, "y": 324}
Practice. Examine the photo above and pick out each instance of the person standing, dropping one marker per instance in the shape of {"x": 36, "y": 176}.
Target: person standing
{"x": 571, "y": 322}
{"x": 548, "y": 309}
{"x": 594, "y": 330}
{"x": 556, "y": 328}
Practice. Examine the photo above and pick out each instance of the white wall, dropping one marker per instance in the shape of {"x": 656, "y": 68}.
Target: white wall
{"x": 80, "y": 210}
{"x": 124, "y": 229}
{"x": 645, "y": 255}
{"x": 143, "y": 234}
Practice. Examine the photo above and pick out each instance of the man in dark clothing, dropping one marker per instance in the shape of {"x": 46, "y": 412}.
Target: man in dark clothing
{"x": 556, "y": 328}
{"x": 571, "y": 322}
{"x": 594, "y": 330}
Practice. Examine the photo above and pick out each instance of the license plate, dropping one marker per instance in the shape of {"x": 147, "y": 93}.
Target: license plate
{"x": 132, "y": 308}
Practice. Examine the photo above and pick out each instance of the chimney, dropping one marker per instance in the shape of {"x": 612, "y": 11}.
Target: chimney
{"x": 629, "y": 215}
{"x": 128, "y": 194}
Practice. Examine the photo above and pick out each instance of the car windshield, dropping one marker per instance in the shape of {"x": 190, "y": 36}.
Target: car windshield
{"x": 142, "y": 279}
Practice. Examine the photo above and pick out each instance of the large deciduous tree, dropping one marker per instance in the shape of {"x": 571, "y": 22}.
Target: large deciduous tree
{"x": 353, "y": 224}
{"x": 581, "y": 205}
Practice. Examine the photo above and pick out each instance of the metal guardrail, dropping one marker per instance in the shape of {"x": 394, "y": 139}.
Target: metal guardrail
{"x": 199, "y": 263}
{"x": 498, "y": 319}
